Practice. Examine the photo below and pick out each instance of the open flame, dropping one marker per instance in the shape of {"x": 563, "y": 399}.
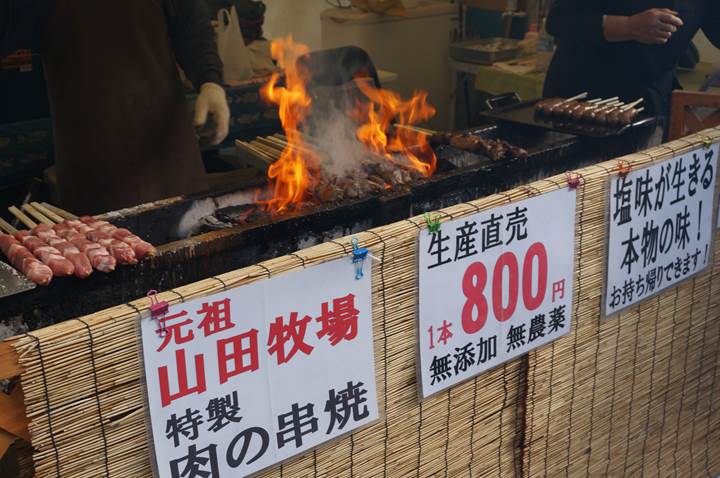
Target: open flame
{"x": 387, "y": 107}
{"x": 290, "y": 175}
{"x": 298, "y": 168}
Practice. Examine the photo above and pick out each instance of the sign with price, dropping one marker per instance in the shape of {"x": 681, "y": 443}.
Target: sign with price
{"x": 494, "y": 286}
{"x": 661, "y": 227}
{"x": 243, "y": 379}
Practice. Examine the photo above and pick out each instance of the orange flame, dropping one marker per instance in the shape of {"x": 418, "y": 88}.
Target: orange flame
{"x": 289, "y": 175}
{"x": 297, "y": 169}
{"x": 387, "y": 106}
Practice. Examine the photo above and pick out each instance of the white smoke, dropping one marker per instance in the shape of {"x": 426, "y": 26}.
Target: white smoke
{"x": 334, "y": 131}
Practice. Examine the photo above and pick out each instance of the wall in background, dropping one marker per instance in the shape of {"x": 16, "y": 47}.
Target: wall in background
{"x": 299, "y": 17}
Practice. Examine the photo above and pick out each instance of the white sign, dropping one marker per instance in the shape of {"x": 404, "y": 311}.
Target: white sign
{"x": 494, "y": 286}
{"x": 244, "y": 379}
{"x": 661, "y": 224}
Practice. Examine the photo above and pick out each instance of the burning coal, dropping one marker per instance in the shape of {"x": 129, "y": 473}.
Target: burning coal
{"x": 345, "y": 153}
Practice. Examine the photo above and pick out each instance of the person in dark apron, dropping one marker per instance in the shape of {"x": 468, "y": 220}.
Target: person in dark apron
{"x": 122, "y": 129}
{"x": 625, "y": 48}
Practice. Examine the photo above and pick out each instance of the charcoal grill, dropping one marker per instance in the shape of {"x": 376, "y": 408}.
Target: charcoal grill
{"x": 461, "y": 177}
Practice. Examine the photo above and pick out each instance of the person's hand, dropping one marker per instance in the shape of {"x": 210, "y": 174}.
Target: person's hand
{"x": 212, "y": 100}
{"x": 654, "y": 26}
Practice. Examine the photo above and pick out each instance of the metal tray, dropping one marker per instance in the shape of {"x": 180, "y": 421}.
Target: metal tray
{"x": 471, "y": 51}
{"x": 524, "y": 114}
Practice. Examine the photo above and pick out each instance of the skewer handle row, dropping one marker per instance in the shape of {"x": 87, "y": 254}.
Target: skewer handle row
{"x": 7, "y": 227}
{"x": 47, "y": 212}
{"x": 22, "y": 217}
{"x": 31, "y": 210}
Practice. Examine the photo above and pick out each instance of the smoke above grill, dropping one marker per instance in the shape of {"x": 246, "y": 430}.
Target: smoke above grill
{"x": 342, "y": 142}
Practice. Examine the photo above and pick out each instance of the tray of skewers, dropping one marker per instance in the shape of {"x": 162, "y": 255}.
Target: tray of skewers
{"x": 597, "y": 118}
{"x": 60, "y": 244}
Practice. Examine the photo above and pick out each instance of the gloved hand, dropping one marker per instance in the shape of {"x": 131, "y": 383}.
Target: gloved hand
{"x": 212, "y": 99}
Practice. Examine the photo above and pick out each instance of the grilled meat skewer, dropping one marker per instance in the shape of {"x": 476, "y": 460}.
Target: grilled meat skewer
{"x": 495, "y": 149}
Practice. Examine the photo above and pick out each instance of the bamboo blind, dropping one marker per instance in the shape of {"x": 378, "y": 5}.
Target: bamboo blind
{"x": 536, "y": 416}
{"x": 632, "y": 395}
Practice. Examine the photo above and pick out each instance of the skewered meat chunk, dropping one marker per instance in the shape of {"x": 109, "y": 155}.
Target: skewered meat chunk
{"x": 140, "y": 248}
{"x": 121, "y": 251}
{"x": 495, "y": 149}
{"x": 36, "y": 271}
{"x": 100, "y": 258}
{"x": 545, "y": 106}
{"x": 44, "y": 231}
{"x": 622, "y": 117}
{"x": 83, "y": 267}
{"x": 565, "y": 109}
{"x": 59, "y": 265}
{"x": 21, "y": 258}
{"x": 48, "y": 255}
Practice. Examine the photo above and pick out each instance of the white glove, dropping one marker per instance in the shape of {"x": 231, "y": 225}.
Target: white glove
{"x": 212, "y": 100}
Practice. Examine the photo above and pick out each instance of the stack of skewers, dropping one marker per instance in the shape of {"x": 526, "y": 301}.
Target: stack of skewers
{"x": 606, "y": 112}
{"x": 61, "y": 244}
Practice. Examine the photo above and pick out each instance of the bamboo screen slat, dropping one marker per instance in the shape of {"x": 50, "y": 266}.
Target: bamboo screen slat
{"x": 631, "y": 395}
{"x": 84, "y": 396}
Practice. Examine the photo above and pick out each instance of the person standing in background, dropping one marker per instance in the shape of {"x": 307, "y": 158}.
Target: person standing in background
{"x": 625, "y": 48}
{"x": 122, "y": 130}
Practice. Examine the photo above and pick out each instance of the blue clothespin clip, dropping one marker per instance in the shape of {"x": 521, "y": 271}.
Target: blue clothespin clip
{"x": 359, "y": 256}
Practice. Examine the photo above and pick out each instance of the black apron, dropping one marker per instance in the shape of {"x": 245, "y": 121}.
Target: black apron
{"x": 629, "y": 70}
{"x": 122, "y": 128}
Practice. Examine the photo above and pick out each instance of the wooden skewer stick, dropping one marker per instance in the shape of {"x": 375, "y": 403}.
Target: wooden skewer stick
{"x": 269, "y": 144}
{"x": 60, "y": 212}
{"x": 609, "y": 100}
{"x": 632, "y": 105}
{"x": 581, "y": 96}
{"x": 281, "y": 145}
{"x": 29, "y": 223}
{"x": 266, "y": 149}
{"x": 417, "y": 129}
{"x": 37, "y": 214}
{"x": 47, "y": 212}
{"x": 243, "y": 146}
{"x": 7, "y": 227}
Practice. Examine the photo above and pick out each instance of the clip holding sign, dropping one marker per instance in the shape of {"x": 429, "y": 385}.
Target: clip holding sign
{"x": 158, "y": 309}
{"x": 574, "y": 180}
{"x": 624, "y": 167}
{"x": 359, "y": 256}
{"x": 433, "y": 224}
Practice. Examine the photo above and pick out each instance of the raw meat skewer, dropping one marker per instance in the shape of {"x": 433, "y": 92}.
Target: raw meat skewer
{"x": 23, "y": 260}
{"x": 83, "y": 266}
{"x": 53, "y": 258}
{"x": 100, "y": 258}
{"x": 142, "y": 249}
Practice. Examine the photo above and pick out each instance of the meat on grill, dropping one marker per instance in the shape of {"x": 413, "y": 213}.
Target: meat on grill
{"x": 48, "y": 255}
{"x": 24, "y": 260}
{"x": 548, "y": 105}
{"x": 495, "y": 149}
{"x": 83, "y": 266}
{"x": 604, "y": 112}
{"x": 140, "y": 248}
{"x": 100, "y": 258}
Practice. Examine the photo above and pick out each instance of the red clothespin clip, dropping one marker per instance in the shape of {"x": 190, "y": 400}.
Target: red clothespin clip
{"x": 623, "y": 167}
{"x": 574, "y": 179}
{"x": 158, "y": 309}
